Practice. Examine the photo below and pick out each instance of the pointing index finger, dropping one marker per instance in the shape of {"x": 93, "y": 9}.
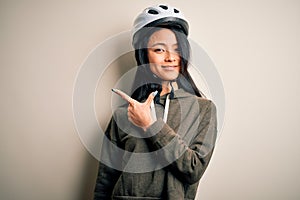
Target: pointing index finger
{"x": 123, "y": 95}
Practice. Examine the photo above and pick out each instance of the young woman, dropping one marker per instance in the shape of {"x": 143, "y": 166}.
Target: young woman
{"x": 159, "y": 144}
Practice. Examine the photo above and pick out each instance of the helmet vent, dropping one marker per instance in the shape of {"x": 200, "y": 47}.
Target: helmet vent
{"x": 176, "y": 11}
{"x": 153, "y": 12}
{"x": 164, "y": 7}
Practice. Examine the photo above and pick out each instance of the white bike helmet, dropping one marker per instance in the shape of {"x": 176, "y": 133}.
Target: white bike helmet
{"x": 159, "y": 15}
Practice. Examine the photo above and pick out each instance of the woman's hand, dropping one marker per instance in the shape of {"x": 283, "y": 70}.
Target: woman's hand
{"x": 139, "y": 113}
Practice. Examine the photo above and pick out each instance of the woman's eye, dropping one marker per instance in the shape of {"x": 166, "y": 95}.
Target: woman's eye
{"x": 159, "y": 50}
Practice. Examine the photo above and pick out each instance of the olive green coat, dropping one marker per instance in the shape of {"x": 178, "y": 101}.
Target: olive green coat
{"x": 165, "y": 162}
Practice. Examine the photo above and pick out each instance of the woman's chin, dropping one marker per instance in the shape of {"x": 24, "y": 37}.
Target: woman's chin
{"x": 169, "y": 78}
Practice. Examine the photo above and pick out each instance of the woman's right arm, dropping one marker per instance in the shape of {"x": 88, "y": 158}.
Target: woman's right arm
{"x": 106, "y": 179}
{"x": 107, "y": 176}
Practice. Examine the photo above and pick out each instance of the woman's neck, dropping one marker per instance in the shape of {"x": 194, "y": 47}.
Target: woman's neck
{"x": 166, "y": 87}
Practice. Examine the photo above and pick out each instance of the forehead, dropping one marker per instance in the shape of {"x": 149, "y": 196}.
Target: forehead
{"x": 165, "y": 36}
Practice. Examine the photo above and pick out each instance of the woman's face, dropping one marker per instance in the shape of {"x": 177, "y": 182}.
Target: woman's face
{"x": 163, "y": 55}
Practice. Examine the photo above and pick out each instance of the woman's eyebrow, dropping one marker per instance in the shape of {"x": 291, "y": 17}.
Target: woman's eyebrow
{"x": 163, "y": 44}
{"x": 157, "y": 44}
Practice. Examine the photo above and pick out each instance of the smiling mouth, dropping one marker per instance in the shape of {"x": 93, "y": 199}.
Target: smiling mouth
{"x": 169, "y": 67}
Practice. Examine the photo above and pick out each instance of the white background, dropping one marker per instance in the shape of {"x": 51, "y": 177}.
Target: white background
{"x": 254, "y": 44}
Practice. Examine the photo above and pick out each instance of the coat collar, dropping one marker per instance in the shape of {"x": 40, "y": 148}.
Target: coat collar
{"x": 180, "y": 93}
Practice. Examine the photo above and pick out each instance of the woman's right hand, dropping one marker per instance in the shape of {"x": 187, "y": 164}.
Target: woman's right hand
{"x": 138, "y": 113}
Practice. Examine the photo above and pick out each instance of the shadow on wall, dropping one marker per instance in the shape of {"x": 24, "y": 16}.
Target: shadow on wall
{"x": 119, "y": 74}
{"x": 88, "y": 179}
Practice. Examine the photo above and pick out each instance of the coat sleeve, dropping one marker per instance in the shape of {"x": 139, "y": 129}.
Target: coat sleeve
{"x": 107, "y": 176}
{"x": 187, "y": 161}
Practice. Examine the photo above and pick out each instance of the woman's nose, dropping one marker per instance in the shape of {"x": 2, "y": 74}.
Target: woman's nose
{"x": 170, "y": 57}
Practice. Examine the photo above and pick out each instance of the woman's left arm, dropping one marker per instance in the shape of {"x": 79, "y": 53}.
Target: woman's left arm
{"x": 190, "y": 160}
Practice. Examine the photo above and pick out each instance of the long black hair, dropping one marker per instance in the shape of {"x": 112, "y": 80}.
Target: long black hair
{"x": 145, "y": 80}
